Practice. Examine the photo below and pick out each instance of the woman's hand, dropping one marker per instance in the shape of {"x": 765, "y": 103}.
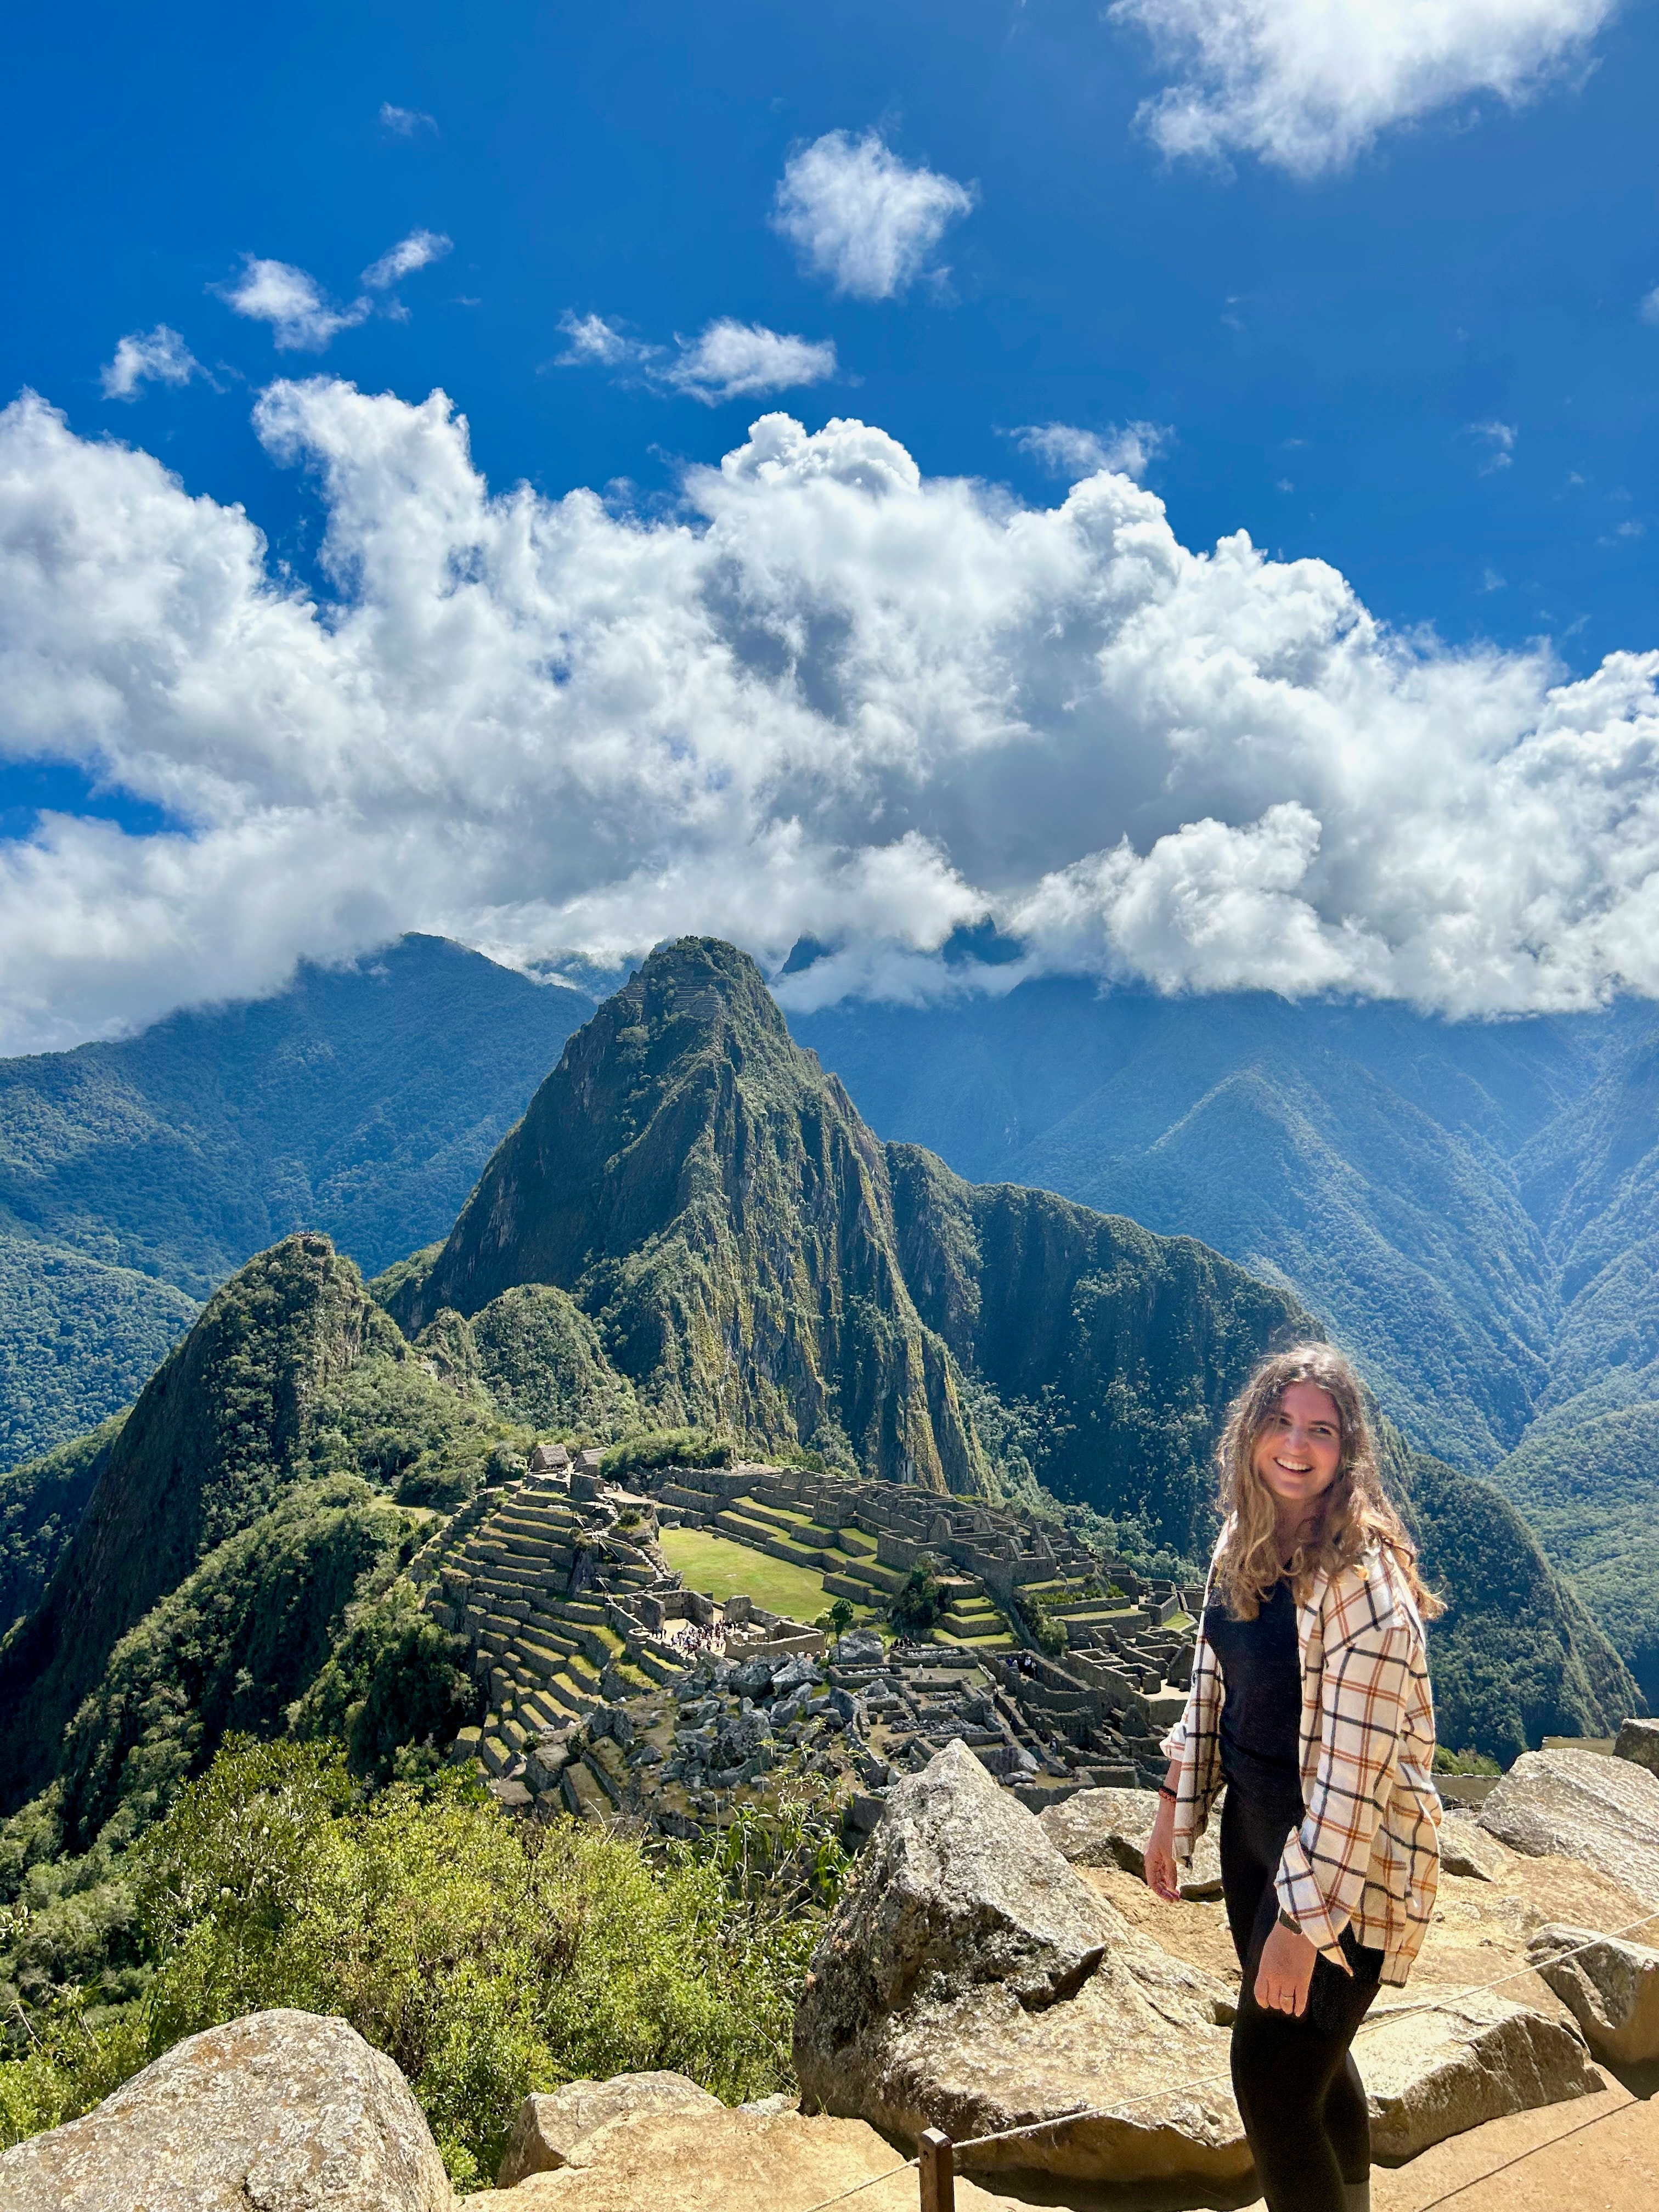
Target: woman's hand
{"x": 1160, "y": 1866}
{"x": 1286, "y": 1969}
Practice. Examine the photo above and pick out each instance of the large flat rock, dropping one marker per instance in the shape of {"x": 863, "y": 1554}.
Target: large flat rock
{"x": 1580, "y": 1805}
{"x": 284, "y": 2112}
{"x": 728, "y": 2161}
{"x": 561, "y": 2127}
{"x": 1435, "y": 2068}
{"x": 1113, "y": 1827}
{"x": 970, "y": 1980}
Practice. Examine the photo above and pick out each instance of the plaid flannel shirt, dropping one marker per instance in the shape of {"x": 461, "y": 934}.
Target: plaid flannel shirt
{"x": 1367, "y": 1854}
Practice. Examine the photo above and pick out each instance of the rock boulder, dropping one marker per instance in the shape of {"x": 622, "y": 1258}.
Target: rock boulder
{"x": 284, "y": 2111}
{"x": 970, "y": 1980}
{"x": 1611, "y": 1987}
{"x": 1466, "y": 1849}
{"x": 1639, "y": 1741}
{"x": 859, "y": 1647}
{"x": 561, "y": 2128}
{"x": 1112, "y": 1827}
{"x": 1577, "y": 1804}
{"x": 1433, "y": 2069}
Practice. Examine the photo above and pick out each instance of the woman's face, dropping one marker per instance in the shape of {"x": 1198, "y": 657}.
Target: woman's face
{"x": 1299, "y": 1450}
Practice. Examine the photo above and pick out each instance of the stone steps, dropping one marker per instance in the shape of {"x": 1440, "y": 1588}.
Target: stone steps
{"x": 865, "y": 1584}
{"x": 545, "y": 1709}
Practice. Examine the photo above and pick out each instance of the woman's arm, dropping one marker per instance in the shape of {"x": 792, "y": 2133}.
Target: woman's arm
{"x": 1162, "y": 1877}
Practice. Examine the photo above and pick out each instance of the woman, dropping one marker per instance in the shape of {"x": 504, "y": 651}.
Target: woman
{"x": 1310, "y": 1700}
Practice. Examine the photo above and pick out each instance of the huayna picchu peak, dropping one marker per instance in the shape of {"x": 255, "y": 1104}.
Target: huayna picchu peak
{"x": 753, "y": 1258}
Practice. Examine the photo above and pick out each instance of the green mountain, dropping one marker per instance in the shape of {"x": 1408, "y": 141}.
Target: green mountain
{"x": 1589, "y": 1487}
{"x": 1518, "y": 1656}
{"x": 81, "y": 1338}
{"x": 188, "y": 1569}
{"x": 136, "y": 1176}
{"x": 749, "y": 1256}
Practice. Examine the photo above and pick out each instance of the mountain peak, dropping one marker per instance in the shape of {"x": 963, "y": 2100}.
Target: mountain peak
{"x": 695, "y": 1181}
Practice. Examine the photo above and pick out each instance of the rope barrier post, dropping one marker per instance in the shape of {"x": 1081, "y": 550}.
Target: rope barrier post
{"x": 938, "y": 2171}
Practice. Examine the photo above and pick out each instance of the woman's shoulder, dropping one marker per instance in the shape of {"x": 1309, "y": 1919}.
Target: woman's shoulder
{"x": 1372, "y": 1593}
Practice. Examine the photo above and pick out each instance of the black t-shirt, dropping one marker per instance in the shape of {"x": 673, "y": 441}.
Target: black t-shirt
{"x": 1261, "y": 1708}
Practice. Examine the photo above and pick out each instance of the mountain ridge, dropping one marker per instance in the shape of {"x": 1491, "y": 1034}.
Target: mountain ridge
{"x": 136, "y": 1174}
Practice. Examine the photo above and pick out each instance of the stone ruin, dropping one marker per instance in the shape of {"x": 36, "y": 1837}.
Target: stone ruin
{"x": 613, "y": 1689}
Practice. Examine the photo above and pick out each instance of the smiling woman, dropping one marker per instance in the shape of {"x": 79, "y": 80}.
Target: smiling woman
{"x": 1310, "y": 1701}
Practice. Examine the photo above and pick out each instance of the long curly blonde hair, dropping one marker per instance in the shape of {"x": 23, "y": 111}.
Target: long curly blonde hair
{"x": 1356, "y": 1509}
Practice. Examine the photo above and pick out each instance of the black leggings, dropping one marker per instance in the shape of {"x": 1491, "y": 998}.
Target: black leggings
{"x": 1298, "y": 2090}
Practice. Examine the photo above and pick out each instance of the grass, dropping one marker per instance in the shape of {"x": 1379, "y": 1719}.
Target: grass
{"x": 724, "y": 1569}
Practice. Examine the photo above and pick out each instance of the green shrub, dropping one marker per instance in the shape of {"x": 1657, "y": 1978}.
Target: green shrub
{"x": 487, "y": 1956}
{"x": 914, "y": 1607}
{"x": 395, "y": 1689}
{"x": 654, "y": 1448}
{"x": 1463, "y": 1762}
{"x": 1045, "y": 1632}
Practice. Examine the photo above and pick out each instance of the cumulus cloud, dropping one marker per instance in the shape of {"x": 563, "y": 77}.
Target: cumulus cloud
{"x": 158, "y": 356}
{"x": 302, "y": 318}
{"x": 823, "y": 696}
{"x": 735, "y": 360}
{"x": 1073, "y": 453}
{"x": 859, "y": 216}
{"x": 728, "y": 360}
{"x": 1308, "y": 84}
{"x": 418, "y": 251}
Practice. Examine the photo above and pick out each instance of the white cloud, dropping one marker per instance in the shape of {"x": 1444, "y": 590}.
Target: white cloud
{"x": 735, "y": 360}
{"x": 159, "y": 356}
{"x": 300, "y": 317}
{"x": 1073, "y": 453}
{"x": 405, "y": 122}
{"x": 1497, "y": 439}
{"x": 1308, "y": 84}
{"x": 862, "y": 218}
{"x": 418, "y": 251}
{"x": 591, "y": 339}
{"x": 727, "y": 359}
{"x": 824, "y": 697}
{"x": 1649, "y": 310}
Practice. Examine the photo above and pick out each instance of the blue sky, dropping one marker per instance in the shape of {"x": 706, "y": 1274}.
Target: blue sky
{"x": 1405, "y": 339}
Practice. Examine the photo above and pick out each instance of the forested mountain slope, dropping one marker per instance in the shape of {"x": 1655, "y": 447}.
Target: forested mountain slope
{"x": 188, "y": 1569}
{"x": 135, "y": 1176}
